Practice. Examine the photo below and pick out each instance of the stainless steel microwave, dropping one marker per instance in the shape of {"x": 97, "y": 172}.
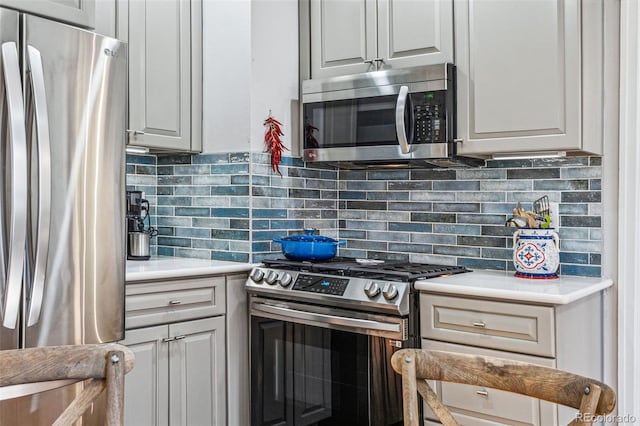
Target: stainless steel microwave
{"x": 390, "y": 118}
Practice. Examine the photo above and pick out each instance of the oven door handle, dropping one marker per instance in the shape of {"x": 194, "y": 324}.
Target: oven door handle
{"x": 362, "y": 326}
{"x": 401, "y": 131}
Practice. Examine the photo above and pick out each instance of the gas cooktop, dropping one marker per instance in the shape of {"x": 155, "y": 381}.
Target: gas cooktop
{"x": 390, "y": 270}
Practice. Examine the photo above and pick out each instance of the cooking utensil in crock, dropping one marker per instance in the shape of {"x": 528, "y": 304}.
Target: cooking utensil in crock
{"x": 308, "y": 246}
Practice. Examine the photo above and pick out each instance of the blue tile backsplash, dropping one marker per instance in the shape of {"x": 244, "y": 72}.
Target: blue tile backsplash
{"x": 230, "y": 207}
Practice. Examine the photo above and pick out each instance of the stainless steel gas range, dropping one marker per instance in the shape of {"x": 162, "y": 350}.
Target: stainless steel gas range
{"x": 322, "y": 335}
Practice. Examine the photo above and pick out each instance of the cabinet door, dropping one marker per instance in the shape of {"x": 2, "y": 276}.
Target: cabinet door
{"x": 163, "y": 73}
{"x": 519, "y": 79}
{"x": 197, "y": 372}
{"x": 415, "y": 32}
{"x": 147, "y": 385}
{"x": 75, "y": 12}
{"x": 343, "y": 37}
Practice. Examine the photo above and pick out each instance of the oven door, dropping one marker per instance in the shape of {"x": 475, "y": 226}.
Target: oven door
{"x": 314, "y": 365}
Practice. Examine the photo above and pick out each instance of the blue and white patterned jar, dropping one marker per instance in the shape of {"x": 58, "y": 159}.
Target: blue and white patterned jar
{"x": 536, "y": 253}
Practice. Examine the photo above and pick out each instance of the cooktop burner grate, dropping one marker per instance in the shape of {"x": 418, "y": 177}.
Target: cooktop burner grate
{"x": 366, "y": 268}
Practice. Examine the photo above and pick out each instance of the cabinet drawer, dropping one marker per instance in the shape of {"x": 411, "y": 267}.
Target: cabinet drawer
{"x": 163, "y": 302}
{"x": 496, "y": 325}
{"x": 474, "y": 406}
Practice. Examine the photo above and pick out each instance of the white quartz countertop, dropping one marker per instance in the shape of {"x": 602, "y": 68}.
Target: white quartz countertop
{"x": 161, "y": 267}
{"x": 504, "y": 285}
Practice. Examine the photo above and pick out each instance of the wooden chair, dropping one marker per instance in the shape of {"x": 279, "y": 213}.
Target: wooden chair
{"x": 102, "y": 365}
{"x": 591, "y": 397}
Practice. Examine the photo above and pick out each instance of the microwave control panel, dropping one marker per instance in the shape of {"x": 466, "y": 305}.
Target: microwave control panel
{"x": 430, "y": 117}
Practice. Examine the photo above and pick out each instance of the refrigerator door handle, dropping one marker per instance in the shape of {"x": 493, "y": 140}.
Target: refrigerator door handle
{"x": 44, "y": 183}
{"x": 18, "y": 188}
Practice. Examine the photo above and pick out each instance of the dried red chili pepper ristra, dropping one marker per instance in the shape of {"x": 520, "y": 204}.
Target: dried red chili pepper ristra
{"x": 273, "y": 143}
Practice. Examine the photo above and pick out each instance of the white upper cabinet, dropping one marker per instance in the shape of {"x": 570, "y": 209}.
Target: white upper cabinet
{"x": 366, "y": 35}
{"x": 75, "y": 12}
{"x": 520, "y": 76}
{"x": 165, "y": 73}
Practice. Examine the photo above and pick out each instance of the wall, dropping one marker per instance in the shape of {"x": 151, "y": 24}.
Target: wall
{"x": 230, "y": 207}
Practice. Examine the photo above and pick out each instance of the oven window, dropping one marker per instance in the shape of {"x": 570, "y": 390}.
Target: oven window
{"x": 304, "y": 375}
{"x": 349, "y": 123}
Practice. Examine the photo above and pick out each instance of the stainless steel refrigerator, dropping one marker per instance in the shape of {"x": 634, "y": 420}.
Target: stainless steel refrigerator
{"x": 62, "y": 130}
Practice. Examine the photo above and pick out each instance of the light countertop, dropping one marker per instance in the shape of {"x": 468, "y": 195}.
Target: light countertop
{"x": 162, "y": 267}
{"x": 504, "y": 285}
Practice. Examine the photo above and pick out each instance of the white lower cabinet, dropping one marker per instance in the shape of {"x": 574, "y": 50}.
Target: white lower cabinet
{"x": 177, "y": 331}
{"x": 568, "y": 337}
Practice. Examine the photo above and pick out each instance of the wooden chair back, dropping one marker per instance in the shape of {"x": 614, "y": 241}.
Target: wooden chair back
{"x": 102, "y": 365}
{"x": 591, "y": 397}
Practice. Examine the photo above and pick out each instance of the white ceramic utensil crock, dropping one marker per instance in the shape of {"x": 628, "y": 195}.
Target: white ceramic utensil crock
{"x": 536, "y": 253}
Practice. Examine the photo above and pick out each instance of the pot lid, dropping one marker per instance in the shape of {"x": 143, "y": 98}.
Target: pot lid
{"x": 309, "y": 236}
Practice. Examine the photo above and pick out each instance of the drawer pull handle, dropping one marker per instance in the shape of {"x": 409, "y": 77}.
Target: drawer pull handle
{"x": 174, "y": 302}
{"x": 171, "y": 339}
{"x": 479, "y": 324}
{"x": 482, "y": 392}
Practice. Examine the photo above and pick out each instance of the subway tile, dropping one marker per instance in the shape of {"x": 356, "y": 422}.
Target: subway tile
{"x": 174, "y": 221}
{"x": 410, "y": 227}
{"x": 539, "y": 173}
{"x": 497, "y": 231}
{"x": 164, "y": 190}
{"x": 173, "y": 159}
{"x": 561, "y": 185}
{"x": 192, "y": 232}
{"x": 433, "y": 196}
{"x": 481, "y": 219}
{"x": 595, "y": 184}
{"x": 445, "y": 228}
{"x": 268, "y": 213}
{"x": 433, "y": 217}
{"x": 581, "y": 197}
{"x": 229, "y": 169}
{"x": 212, "y": 180}
{"x": 174, "y": 180}
{"x": 581, "y": 172}
{"x": 457, "y": 207}
{"x": 210, "y": 244}
{"x": 581, "y": 221}
{"x": 595, "y": 258}
{"x": 174, "y": 242}
{"x": 442, "y": 239}
{"x": 191, "y": 190}
{"x": 494, "y": 197}
{"x": 506, "y": 185}
{"x": 192, "y": 253}
{"x": 239, "y": 223}
{"x": 367, "y": 245}
{"x": 433, "y": 174}
{"x": 230, "y": 190}
{"x": 165, "y": 251}
{"x": 366, "y": 185}
{"x": 388, "y": 175}
{"x": 412, "y": 248}
{"x": 229, "y": 234}
{"x": 210, "y": 159}
{"x": 229, "y": 212}
{"x": 367, "y": 205}
{"x": 475, "y": 263}
{"x": 230, "y": 256}
{"x": 456, "y": 250}
{"x": 413, "y": 185}
{"x": 388, "y": 236}
{"x": 387, "y": 195}
{"x": 141, "y": 159}
{"x": 509, "y": 164}
{"x": 198, "y": 169}
{"x": 387, "y": 216}
{"x": 579, "y": 258}
{"x": 467, "y": 240}
{"x": 462, "y": 185}
{"x": 481, "y": 174}
{"x": 410, "y": 206}
{"x": 595, "y": 161}
{"x": 193, "y": 211}
{"x": 497, "y": 253}
{"x": 581, "y": 270}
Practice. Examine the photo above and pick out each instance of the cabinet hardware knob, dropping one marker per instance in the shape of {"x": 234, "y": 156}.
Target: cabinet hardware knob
{"x": 182, "y": 336}
{"x": 379, "y": 60}
{"x": 168, "y": 339}
{"x": 482, "y": 392}
{"x": 479, "y": 324}
{"x": 135, "y": 132}
{"x": 174, "y": 302}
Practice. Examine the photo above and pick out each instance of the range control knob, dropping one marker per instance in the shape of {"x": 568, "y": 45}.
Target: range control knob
{"x": 285, "y": 279}
{"x": 371, "y": 289}
{"x": 257, "y": 275}
{"x": 390, "y": 291}
{"x": 271, "y": 278}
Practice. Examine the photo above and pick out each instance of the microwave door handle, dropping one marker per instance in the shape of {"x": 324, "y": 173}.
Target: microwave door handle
{"x": 44, "y": 184}
{"x": 18, "y": 188}
{"x": 401, "y": 131}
